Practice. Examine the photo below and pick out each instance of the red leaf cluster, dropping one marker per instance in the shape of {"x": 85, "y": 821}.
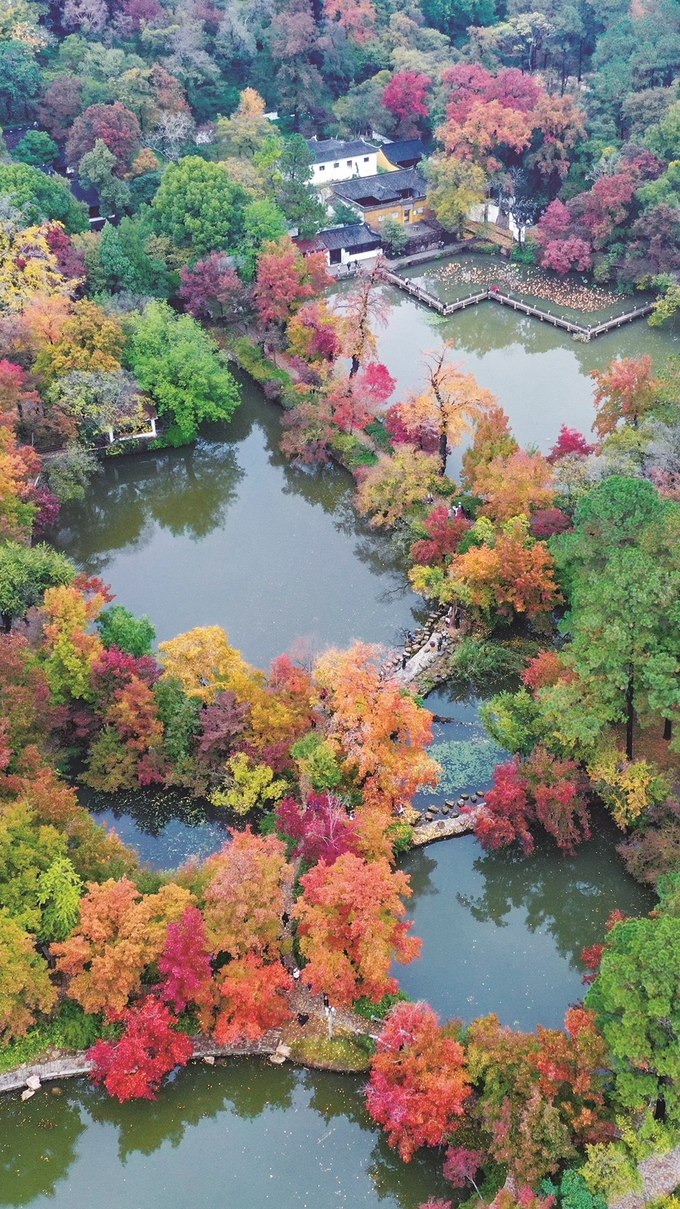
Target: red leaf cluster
{"x": 133, "y": 1067}
{"x": 570, "y": 441}
{"x": 185, "y": 965}
{"x": 418, "y": 1081}
{"x": 542, "y": 790}
{"x": 445, "y": 534}
{"x": 322, "y": 830}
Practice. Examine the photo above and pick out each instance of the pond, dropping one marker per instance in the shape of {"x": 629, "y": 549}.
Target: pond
{"x": 227, "y": 533}
{"x": 246, "y": 1135}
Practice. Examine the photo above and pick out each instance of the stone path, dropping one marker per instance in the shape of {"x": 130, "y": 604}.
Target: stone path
{"x": 660, "y": 1176}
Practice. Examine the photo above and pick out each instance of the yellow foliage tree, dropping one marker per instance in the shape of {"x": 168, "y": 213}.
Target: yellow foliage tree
{"x": 397, "y": 484}
{"x": 627, "y": 788}
{"x": 24, "y": 980}
{"x": 456, "y": 186}
{"x": 206, "y": 665}
{"x": 27, "y": 267}
{"x": 71, "y": 651}
{"x": 243, "y": 134}
{"x": 90, "y": 340}
{"x": 247, "y": 786}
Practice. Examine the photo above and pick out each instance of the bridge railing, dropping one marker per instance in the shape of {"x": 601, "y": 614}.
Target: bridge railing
{"x": 491, "y": 294}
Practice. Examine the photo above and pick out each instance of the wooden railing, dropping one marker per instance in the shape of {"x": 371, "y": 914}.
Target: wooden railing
{"x": 585, "y": 331}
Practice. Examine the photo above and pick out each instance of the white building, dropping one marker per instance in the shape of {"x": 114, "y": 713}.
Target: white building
{"x": 335, "y": 160}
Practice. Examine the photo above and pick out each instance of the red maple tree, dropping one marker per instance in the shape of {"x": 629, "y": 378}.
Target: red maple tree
{"x": 150, "y": 1047}
{"x": 418, "y": 1079}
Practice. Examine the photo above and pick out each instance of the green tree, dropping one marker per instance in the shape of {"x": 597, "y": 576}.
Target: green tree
{"x": 20, "y": 81}
{"x": 199, "y": 206}
{"x": 636, "y": 999}
{"x": 25, "y": 573}
{"x": 664, "y": 138}
{"x": 180, "y": 366}
{"x": 395, "y": 235}
{"x": 42, "y": 198}
{"x": 96, "y": 169}
{"x": 121, "y": 261}
{"x": 297, "y": 197}
{"x": 37, "y": 148}
{"x": 119, "y": 627}
{"x": 59, "y": 893}
{"x": 262, "y": 222}
{"x": 621, "y": 570}
{"x": 514, "y": 721}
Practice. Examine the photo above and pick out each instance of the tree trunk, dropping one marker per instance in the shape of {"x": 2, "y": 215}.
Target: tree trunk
{"x": 630, "y": 716}
{"x": 443, "y": 448}
{"x": 6, "y": 619}
{"x": 355, "y": 366}
{"x": 667, "y": 729}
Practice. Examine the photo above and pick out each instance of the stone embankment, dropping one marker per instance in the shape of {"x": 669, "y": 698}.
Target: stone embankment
{"x": 278, "y": 1045}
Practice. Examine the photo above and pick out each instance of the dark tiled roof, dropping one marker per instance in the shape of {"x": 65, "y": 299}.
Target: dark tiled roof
{"x": 348, "y": 237}
{"x": 382, "y": 189}
{"x": 325, "y": 150}
{"x": 407, "y": 149}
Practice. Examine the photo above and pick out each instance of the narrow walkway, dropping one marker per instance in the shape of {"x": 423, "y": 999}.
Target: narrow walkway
{"x": 585, "y": 332}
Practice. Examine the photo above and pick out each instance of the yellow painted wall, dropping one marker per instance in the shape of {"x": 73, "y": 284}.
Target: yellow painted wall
{"x": 372, "y": 217}
{"x": 383, "y": 162}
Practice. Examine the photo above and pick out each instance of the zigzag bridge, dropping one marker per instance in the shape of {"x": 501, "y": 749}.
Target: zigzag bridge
{"x": 581, "y": 331}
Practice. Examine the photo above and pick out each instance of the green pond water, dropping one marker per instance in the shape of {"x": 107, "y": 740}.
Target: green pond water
{"x": 226, "y": 533}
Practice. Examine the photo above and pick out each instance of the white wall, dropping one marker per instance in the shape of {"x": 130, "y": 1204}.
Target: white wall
{"x": 346, "y": 169}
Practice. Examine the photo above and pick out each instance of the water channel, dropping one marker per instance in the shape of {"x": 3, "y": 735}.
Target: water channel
{"x": 226, "y": 533}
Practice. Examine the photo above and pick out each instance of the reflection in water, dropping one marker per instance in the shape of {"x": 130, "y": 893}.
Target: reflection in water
{"x": 228, "y": 533}
{"x": 165, "y": 826}
{"x": 244, "y": 1136}
{"x": 503, "y": 933}
{"x": 539, "y": 374}
{"x": 38, "y": 1141}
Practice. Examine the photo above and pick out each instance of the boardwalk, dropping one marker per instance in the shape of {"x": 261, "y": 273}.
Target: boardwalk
{"x": 582, "y": 331}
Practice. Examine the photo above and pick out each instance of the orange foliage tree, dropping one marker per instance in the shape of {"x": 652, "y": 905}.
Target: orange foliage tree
{"x": 350, "y": 927}
{"x": 518, "y": 484}
{"x": 488, "y": 125}
{"x": 121, "y": 932}
{"x": 253, "y": 999}
{"x": 509, "y": 573}
{"x": 418, "y": 1079}
{"x": 246, "y": 885}
{"x": 285, "y": 279}
{"x": 375, "y": 728}
{"x": 626, "y": 390}
{"x": 492, "y": 439}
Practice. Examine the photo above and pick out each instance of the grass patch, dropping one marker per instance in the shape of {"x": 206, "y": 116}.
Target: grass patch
{"x": 73, "y": 1029}
{"x": 381, "y": 436}
{"x": 349, "y": 1052}
{"x": 377, "y": 1011}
